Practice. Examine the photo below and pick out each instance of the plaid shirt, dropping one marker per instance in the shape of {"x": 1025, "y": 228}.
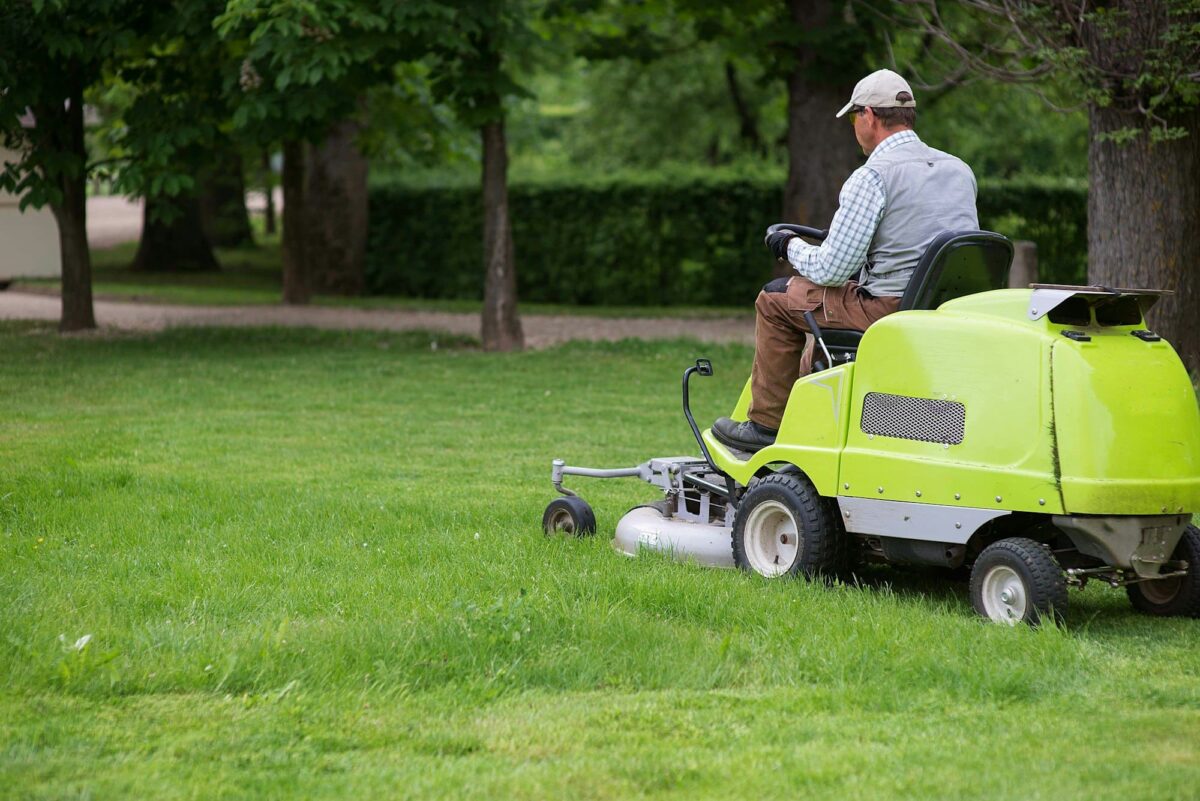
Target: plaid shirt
{"x": 861, "y": 205}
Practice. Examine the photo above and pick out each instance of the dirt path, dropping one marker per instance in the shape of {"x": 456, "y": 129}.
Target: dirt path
{"x": 112, "y": 220}
{"x": 541, "y": 331}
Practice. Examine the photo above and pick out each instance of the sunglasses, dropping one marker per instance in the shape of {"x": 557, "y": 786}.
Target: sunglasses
{"x": 854, "y": 112}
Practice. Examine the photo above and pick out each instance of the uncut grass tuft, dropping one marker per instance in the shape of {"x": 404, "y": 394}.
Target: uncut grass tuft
{"x": 274, "y": 563}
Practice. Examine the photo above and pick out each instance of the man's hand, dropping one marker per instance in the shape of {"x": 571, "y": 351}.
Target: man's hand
{"x": 777, "y": 243}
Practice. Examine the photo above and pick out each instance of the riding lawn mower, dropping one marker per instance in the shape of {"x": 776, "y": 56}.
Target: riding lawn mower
{"x": 1040, "y": 438}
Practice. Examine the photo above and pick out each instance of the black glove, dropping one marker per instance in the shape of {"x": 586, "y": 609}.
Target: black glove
{"x": 777, "y": 243}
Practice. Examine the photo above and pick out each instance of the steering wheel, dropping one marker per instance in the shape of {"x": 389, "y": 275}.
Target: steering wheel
{"x": 803, "y": 230}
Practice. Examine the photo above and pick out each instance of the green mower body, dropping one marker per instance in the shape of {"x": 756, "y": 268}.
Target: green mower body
{"x": 1071, "y": 426}
{"x": 976, "y": 405}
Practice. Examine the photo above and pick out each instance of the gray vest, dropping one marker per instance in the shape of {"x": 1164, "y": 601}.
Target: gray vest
{"x": 927, "y": 192}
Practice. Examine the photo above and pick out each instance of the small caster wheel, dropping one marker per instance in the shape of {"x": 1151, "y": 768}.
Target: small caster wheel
{"x": 569, "y": 515}
{"x": 1018, "y": 580}
{"x": 1178, "y": 596}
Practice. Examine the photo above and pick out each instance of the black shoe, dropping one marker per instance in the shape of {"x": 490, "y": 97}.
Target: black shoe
{"x": 747, "y": 436}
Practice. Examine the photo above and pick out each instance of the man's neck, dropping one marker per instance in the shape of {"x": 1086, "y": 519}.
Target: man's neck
{"x": 885, "y": 135}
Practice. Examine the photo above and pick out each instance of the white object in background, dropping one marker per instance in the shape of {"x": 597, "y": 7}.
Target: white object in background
{"x": 28, "y": 241}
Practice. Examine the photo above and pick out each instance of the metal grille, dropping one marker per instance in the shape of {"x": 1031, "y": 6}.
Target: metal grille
{"x": 903, "y": 417}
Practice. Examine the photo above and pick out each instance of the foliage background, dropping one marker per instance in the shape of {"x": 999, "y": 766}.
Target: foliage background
{"x": 655, "y": 238}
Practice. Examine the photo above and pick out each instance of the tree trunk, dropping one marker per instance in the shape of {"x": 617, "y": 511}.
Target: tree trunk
{"x": 747, "y": 120}
{"x": 173, "y": 238}
{"x": 297, "y": 286}
{"x": 71, "y": 215}
{"x": 223, "y": 199}
{"x": 335, "y": 196}
{"x": 1144, "y": 221}
{"x": 1143, "y": 197}
{"x": 501, "y": 322}
{"x": 822, "y": 151}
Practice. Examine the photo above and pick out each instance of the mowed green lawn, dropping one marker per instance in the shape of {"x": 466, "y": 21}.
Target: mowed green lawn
{"x": 293, "y": 564}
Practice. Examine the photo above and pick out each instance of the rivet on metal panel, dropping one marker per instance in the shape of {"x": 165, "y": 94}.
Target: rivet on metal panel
{"x": 946, "y": 446}
{"x": 998, "y": 499}
{"x": 870, "y": 436}
{"x": 881, "y": 490}
{"x": 918, "y": 493}
{"x": 1164, "y": 510}
{"x": 1041, "y": 501}
{"x": 958, "y": 525}
{"x": 958, "y": 496}
{"x": 845, "y": 486}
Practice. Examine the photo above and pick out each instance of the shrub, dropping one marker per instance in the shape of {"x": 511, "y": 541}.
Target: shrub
{"x": 653, "y": 240}
{"x": 1052, "y": 213}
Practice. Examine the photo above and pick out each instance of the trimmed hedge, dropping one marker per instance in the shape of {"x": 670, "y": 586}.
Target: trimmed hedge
{"x": 1051, "y": 213}
{"x": 651, "y": 241}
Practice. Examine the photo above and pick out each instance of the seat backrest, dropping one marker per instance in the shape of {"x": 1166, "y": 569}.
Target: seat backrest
{"x": 958, "y": 263}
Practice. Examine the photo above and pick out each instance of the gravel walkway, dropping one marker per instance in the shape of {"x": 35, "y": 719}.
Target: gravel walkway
{"x": 541, "y": 331}
{"x": 115, "y": 219}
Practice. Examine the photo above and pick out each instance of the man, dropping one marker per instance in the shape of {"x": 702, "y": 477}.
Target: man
{"x": 889, "y": 210}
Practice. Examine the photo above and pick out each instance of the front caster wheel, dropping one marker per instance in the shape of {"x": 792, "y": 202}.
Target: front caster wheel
{"x": 569, "y": 515}
{"x": 783, "y": 528}
{"x": 1018, "y": 580}
{"x": 1173, "y": 597}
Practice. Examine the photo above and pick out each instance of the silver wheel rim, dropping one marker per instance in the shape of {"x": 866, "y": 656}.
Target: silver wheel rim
{"x": 771, "y": 539}
{"x": 560, "y": 520}
{"x": 1161, "y": 591}
{"x": 1005, "y": 598}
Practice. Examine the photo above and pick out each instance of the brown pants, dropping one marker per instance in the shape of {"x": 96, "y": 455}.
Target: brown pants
{"x": 783, "y": 349}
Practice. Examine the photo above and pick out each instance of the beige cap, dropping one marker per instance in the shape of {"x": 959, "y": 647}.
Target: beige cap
{"x": 881, "y": 89}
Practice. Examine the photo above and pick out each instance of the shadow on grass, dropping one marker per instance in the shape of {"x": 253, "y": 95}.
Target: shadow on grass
{"x": 1098, "y": 613}
{"x": 912, "y": 582}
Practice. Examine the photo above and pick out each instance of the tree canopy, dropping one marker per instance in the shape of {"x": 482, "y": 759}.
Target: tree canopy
{"x": 588, "y": 87}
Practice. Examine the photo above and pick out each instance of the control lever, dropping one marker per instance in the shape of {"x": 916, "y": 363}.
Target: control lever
{"x": 816, "y": 332}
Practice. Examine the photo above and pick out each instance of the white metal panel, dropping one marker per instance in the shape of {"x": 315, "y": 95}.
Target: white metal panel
{"x": 644, "y": 528}
{"x": 913, "y": 521}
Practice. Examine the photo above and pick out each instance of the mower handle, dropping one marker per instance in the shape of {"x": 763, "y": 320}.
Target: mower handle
{"x": 801, "y": 230}
{"x": 704, "y": 367}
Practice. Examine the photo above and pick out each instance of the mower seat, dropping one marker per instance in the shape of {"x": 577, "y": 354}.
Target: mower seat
{"x": 956, "y": 263}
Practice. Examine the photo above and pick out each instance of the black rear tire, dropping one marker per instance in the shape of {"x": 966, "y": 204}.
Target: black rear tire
{"x": 1173, "y": 597}
{"x": 783, "y": 527}
{"x": 1018, "y": 580}
{"x": 569, "y": 515}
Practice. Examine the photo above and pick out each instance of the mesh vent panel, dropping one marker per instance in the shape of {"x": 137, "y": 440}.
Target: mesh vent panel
{"x": 903, "y": 417}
